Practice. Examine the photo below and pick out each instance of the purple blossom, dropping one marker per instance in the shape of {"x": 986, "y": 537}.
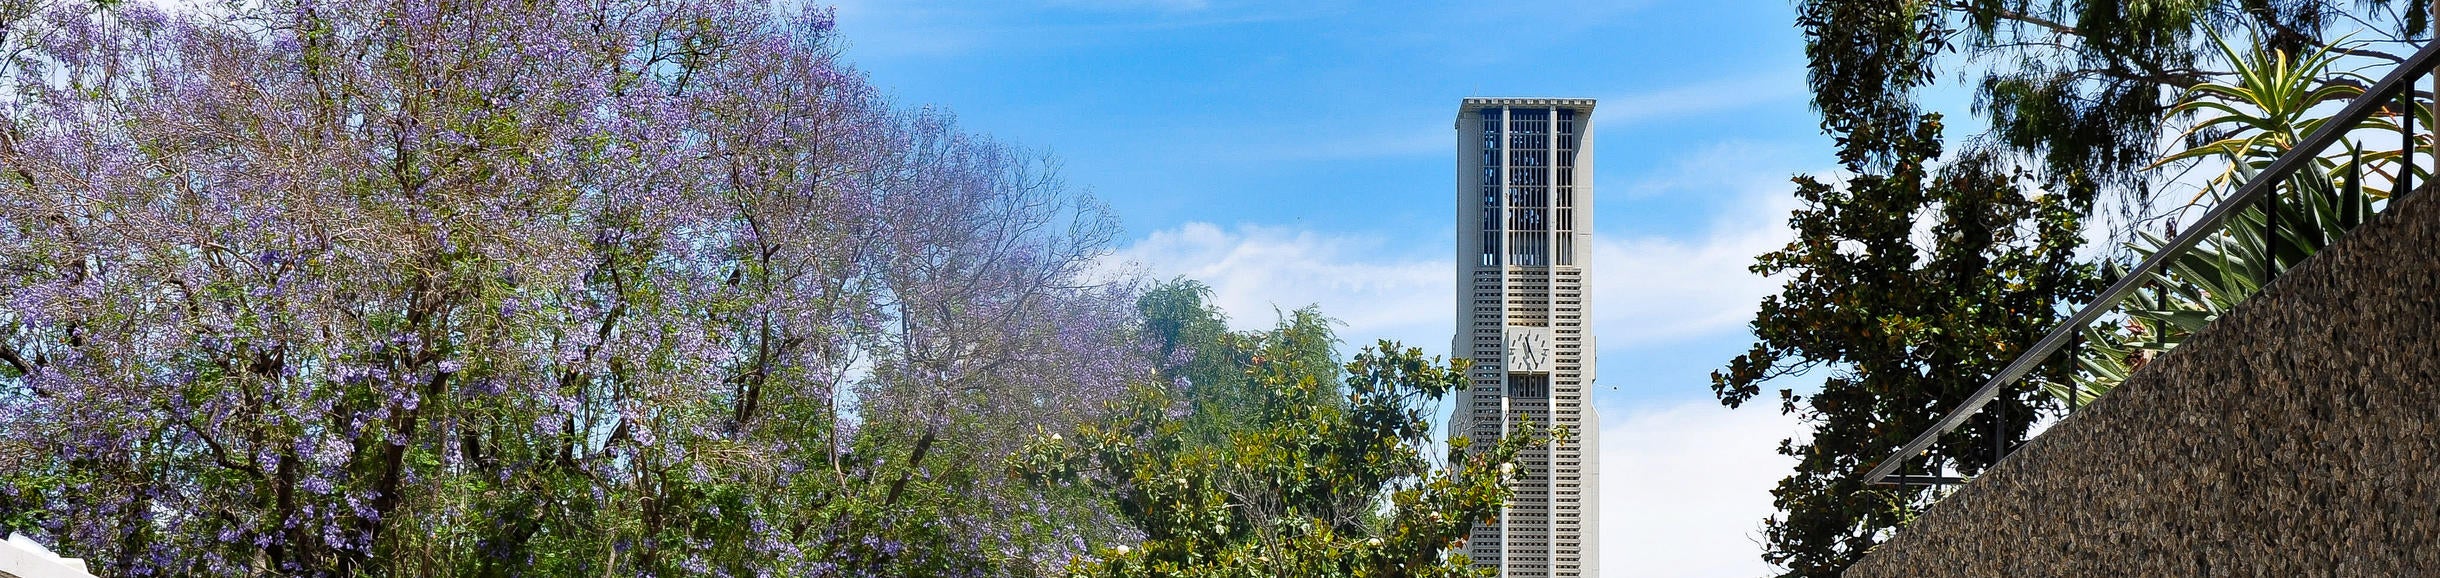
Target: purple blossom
{"x": 645, "y": 247}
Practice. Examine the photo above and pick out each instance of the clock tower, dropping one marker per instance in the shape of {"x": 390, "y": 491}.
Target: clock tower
{"x": 1524, "y": 232}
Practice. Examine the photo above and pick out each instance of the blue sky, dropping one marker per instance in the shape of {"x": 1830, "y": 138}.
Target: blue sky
{"x": 1292, "y": 153}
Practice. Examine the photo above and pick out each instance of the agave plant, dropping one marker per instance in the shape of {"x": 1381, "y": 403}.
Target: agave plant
{"x": 2263, "y": 114}
{"x": 2314, "y": 211}
{"x": 2270, "y": 105}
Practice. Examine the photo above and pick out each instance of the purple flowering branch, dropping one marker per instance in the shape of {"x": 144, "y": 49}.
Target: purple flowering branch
{"x": 421, "y": 287}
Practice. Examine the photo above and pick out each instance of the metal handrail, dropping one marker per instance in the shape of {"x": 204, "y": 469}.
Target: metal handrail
{"x": 2373, "y": 99}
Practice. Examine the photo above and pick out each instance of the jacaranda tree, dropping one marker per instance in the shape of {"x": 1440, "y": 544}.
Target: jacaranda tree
{"x": 601, "y": 287}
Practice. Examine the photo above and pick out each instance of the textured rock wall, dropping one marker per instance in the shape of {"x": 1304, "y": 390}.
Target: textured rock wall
{"x": 2298, "y": 436}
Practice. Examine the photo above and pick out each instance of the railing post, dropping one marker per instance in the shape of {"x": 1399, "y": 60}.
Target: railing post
{"x": 2075, "y": 389}
{"x": 2354, "y": 185}
{"x": 1999, "y": 434}
{"x": 2270, "y": 233}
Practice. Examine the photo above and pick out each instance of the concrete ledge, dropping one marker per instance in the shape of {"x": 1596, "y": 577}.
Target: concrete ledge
{"x": 23, "y": 558}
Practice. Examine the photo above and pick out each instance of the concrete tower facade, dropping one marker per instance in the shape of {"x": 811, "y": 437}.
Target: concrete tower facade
{"x": 1524, "y": 230}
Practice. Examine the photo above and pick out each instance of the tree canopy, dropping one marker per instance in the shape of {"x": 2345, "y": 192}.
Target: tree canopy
{"x": 2080, "y": 90}
{"x": 1207, "y": 364}
{"x": 1303, "y": 489}
{"x": 559, "y": 288}
{"x": 1908, "y": 289}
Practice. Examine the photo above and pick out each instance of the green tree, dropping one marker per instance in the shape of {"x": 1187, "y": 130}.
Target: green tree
{"x": 1328, "y": 489}
{"x": 1189, "y": 335}
{"x": 1207, "y": 363}
{"x": 1910, "y": 288}
{"x": 2082, "y": 89}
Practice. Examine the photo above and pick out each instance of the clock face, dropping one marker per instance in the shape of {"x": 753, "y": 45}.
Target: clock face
{"x": 1529, "y": 349}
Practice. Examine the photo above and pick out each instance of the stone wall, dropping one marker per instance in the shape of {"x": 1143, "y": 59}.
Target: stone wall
{"x": 2298, "y": 436}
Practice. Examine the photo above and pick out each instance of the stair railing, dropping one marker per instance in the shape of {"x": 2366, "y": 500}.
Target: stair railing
{"x": 2396, "y": 88}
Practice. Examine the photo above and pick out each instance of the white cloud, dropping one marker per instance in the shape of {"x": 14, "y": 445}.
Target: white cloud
{"x": 1648, "y": 289}
{"x": 1730, "y": 166}
{"x": 1701, "y": 98}
{"x": 1684, "y": 489}
{"x": 1357, "y": 279}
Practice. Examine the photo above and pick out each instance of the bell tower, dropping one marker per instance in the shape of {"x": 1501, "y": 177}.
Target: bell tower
{"x": 1524, "y": 221}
